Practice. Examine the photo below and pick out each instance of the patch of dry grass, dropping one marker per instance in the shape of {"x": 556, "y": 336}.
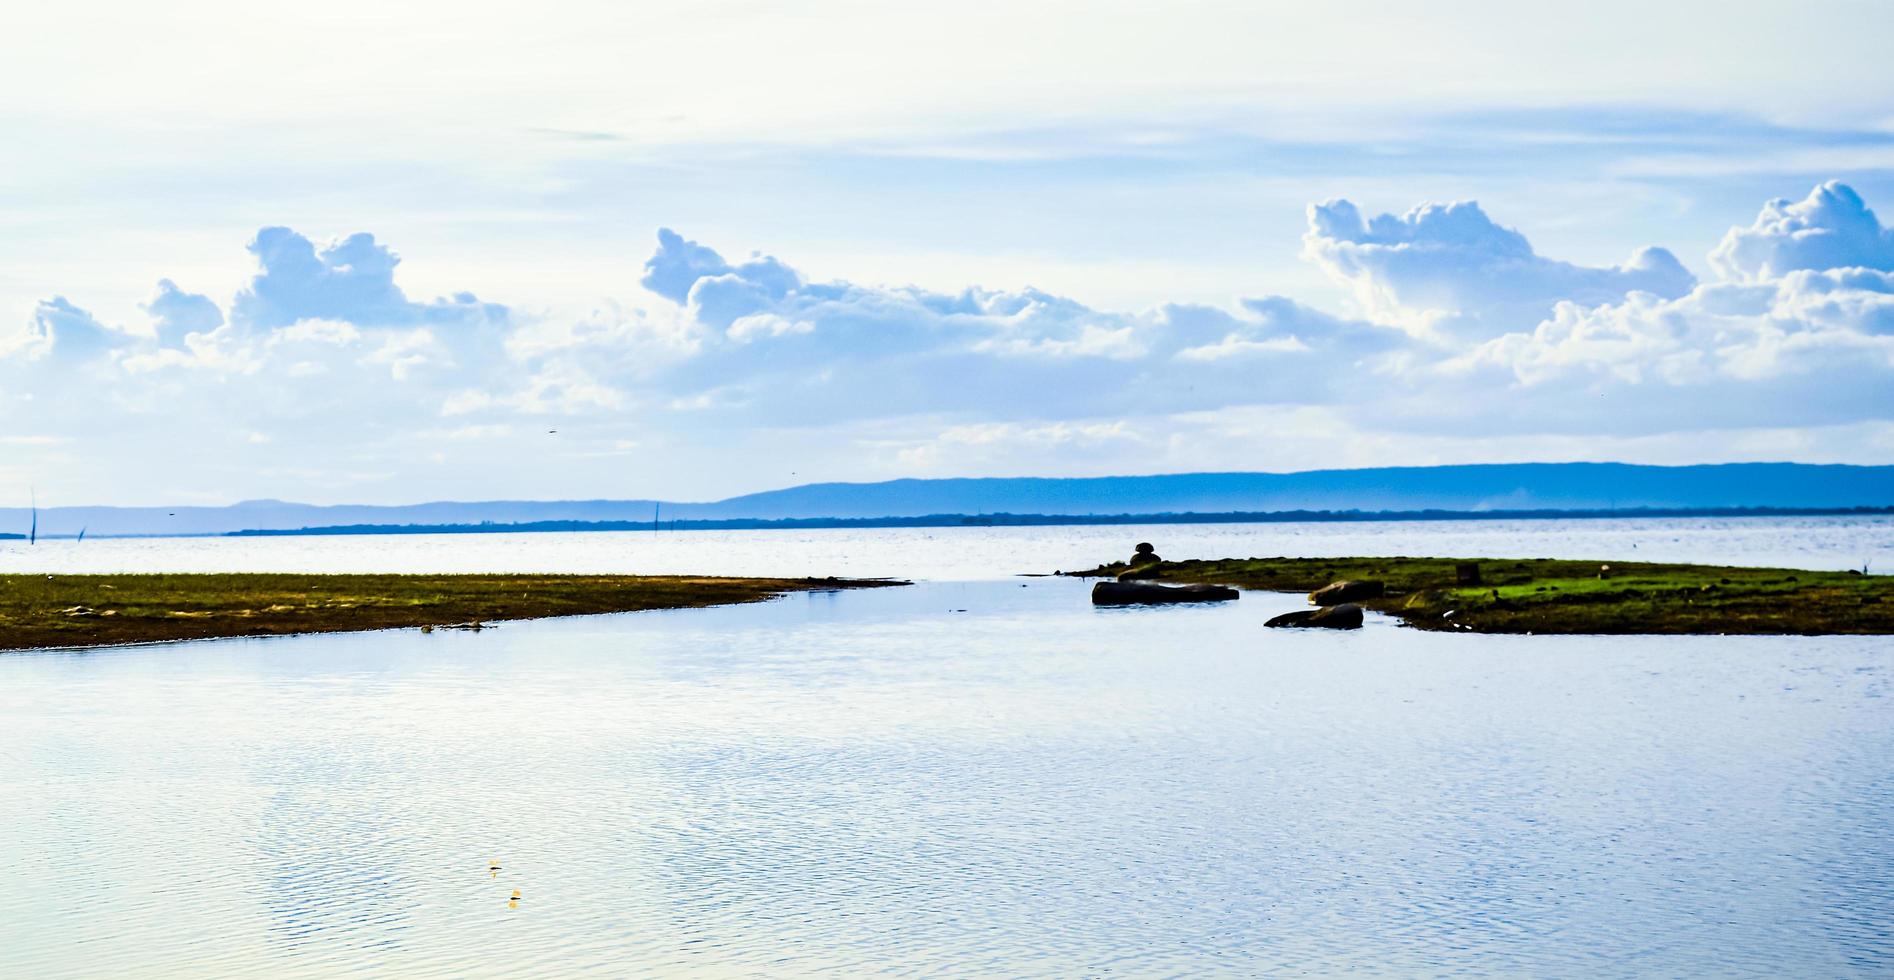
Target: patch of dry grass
{"x": 93, "y": 610}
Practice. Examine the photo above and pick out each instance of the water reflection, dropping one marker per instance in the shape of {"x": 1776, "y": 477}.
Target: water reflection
{"x": 840, "y": 783}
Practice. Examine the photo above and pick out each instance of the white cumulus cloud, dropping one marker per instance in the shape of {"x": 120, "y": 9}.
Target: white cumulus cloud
{"x": 65, "y": 331}
{"x": 1465, "y": 335}
{"x": 175, "y": 313}
{"x": 1832, "y": 228}
{"x": 351, "y": 280}
{"x": 1450, "y": 273}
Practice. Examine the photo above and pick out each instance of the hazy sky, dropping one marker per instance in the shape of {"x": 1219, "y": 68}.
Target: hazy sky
{"x": 929, "y": 240}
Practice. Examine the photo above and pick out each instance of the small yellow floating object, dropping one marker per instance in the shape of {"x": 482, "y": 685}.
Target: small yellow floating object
{"x": 514, "y": 902}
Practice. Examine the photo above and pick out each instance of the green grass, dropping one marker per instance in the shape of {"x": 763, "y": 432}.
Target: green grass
{"x": 92, "y": 610}
{"x": 1546, "y": 596}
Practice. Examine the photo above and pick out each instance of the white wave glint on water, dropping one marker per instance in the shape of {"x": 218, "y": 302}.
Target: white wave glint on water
{"x": 972, "y": 553}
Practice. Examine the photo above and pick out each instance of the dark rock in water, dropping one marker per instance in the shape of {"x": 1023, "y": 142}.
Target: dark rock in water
{"x": 1143, "y": 593}
{"x": 1336, "y": 593}
{"x": 1144, "y": 554}
{"x": 1346, "y": 616}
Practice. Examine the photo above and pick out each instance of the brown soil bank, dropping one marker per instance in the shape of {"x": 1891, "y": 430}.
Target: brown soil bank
{"x": 1546, "y": 596}
{"x": 94, "y": 610}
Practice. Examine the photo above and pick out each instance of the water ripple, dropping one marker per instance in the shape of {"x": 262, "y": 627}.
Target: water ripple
{"x": 873, "y": 784}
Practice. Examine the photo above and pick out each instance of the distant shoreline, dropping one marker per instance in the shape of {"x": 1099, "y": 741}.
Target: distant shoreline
{"x": 1493, "y": 491}
{"x": 1057, "y": 520}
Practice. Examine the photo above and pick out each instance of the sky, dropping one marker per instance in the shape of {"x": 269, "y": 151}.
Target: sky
{"x": 388, "y": 253}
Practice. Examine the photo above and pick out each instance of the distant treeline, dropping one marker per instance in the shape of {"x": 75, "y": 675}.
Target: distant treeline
{"x": 1041, "y": 520}
{"x": 10, "y": 536}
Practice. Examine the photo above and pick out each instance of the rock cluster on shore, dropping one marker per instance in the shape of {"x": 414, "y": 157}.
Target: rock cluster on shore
{"x": 1549, "y": 596}
{"x": 1150, "y": 593}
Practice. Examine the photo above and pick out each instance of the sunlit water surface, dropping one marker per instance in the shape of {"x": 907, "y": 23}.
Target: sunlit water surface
{"x": 973, "y": 553}
{"x": 961, "y": 777}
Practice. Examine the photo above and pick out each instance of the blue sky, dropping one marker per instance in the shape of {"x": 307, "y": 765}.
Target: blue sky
{"x": 352, "y": 253}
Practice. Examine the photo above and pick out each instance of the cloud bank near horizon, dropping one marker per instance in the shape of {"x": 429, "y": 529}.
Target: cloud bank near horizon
{"x": 1462, "y": 342}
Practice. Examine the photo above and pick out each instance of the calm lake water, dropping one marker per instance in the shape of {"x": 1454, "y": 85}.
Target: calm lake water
{"x": 981, "y": 553}
{"x": 972, "y": 776}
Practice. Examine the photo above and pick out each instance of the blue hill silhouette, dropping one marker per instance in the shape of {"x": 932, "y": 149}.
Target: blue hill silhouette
{"x": 1490, "y": 487}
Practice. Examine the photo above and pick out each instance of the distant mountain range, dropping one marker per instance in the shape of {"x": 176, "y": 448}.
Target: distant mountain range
{"x": 1495, "y": 487}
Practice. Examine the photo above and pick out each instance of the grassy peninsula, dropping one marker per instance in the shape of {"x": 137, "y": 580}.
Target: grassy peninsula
{"x": 1547, "y": 596}
{"x": 93, "y": 610}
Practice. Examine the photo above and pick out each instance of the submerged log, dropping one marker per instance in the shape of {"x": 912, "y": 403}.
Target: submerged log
{"x": 1150, "y": 593}
{"x": 1346, "y": 616}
